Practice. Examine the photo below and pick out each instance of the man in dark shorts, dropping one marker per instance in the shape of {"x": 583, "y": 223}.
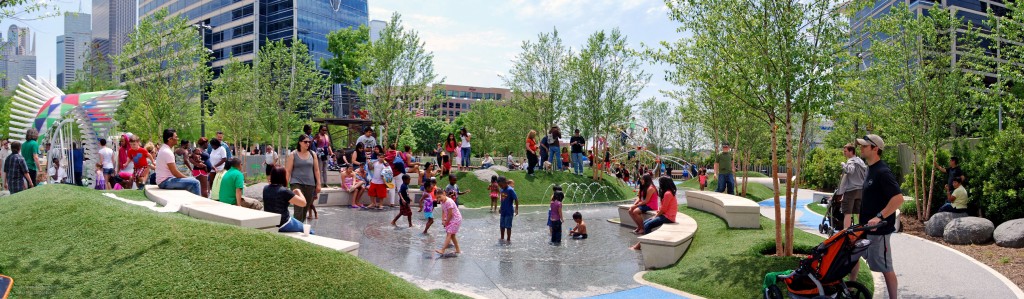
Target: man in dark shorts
{"x": 851, "y": 185}
{"x": 881, "y": 198}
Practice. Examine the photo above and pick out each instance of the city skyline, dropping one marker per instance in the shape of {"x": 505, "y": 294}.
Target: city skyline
{"x": 472, "y": 42}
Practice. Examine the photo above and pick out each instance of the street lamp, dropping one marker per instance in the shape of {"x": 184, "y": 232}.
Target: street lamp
{"x": 202, "y": 89}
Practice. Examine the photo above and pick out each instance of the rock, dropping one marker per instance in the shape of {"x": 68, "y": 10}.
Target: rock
{"x": 255, "y": 191}
{"x": 499, "y": 168}
{"x": 485, "y": 174}
{"x": 937, "y": 224}
{"x": 1010, "y": 234}
{"x": 968, "y": 230}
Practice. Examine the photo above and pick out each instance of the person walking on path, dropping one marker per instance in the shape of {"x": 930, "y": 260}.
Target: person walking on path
{"x": 725, "y": 170}
{"x": 30, "y": 151}
{"x": 851, "y": 185}
{"x": 466, "y": 150}
{"x": 531, "y": 152}
{"x": 16, "y": 175}
{"x": 323, "y": 149}
{"x": 303, "y": 174}
{"x": 881, "y": 198}
{"x": 167, "y": 174}
{"x": 270, "y": 160}
{"x": 554, "y": 148}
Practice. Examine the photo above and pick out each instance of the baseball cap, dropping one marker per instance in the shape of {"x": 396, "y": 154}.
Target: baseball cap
{"x": 872, "y": 139}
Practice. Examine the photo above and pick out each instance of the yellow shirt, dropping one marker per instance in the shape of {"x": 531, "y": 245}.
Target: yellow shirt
{"x": 960, "y": 198}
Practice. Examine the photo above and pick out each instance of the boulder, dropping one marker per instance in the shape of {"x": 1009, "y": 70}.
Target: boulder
{"x": 968, "y": 230}
{"x": 1010, "y": 234}
{"x": 937, "y": 224}
{"x": 255, "y": 191}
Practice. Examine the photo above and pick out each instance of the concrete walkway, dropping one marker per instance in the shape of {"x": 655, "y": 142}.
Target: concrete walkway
{"x": 924, "y": 269}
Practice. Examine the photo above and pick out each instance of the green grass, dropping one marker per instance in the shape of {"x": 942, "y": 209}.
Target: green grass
{"x": 71, "y": 242}
{"x": 755, "y": 192}
{"x": 817, "y": 208}
{"x": 532, "y": 190}
{"x": 727, "y": 263}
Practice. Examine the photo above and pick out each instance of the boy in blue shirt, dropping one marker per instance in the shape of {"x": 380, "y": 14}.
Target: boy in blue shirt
{"x": 507, "y": 212}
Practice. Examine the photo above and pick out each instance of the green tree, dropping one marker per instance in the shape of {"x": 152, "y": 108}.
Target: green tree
{"x": 654, "y": 117}
{"x": 538, "y": 80}
{"x": 395, "y": 71}
{"x": 428, "y": 132}
{"x": 494, "y": 127}
{"x": 235, "y": 109}
{"x": 163, "y": 65}
{"x": 290, "y": 89}
{"x": 347, "y": 45}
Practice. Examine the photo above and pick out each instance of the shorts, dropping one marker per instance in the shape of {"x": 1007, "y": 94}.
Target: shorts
{"x": 644, "y": 208}
{"x": 506, "y": 221}
{"x": 269, "y": 169}
{"x": 879, "y": 254}
{"x": 108, "y": 171}
{"x": 405, "y": 210}
{"x": 378, "y": 190}
{"x": 851, "y": 202}
{"x": 495, "y": 195}
{"x": 428, "y": 215}
{"x": 199, "y": 172}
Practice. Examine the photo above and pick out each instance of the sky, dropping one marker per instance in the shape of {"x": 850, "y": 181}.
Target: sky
{"x": 473, "y": 42}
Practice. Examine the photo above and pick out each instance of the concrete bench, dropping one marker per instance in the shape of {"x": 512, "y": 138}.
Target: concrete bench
{"x": 626, "y": 220}
{"x": 339, "y": 245}
{"x": 338, "y": 197}
{"x": 737, "y": 211}
{"x": 201, "y": 208}
{"x": 667, "y": 243}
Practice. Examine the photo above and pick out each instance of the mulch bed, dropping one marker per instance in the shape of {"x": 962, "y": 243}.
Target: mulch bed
{"x": 1007, "y": 261}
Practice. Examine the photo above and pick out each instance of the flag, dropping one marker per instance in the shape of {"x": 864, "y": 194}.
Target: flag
{"x": 419, "y": 113}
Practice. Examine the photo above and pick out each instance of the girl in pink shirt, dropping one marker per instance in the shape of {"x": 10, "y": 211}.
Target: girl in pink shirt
{"x": 668, "y": 210}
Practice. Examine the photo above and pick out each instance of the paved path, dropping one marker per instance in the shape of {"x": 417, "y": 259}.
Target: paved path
{"x": 924, "y": 269}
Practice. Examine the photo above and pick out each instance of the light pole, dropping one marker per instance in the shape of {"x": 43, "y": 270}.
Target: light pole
{"x": 202, "y": 89}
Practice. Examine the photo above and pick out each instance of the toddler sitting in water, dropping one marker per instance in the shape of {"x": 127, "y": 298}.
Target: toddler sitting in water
{"x": 580, "y": 231}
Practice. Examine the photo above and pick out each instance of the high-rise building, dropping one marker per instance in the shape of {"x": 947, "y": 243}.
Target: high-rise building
{"x": 72, "y": 47}
{"x": 112, "y": 22}
{"x": 18, "y": 57}
{"x": 458, "y": 99}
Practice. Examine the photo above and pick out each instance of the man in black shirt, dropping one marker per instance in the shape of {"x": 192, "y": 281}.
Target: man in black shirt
{"x": 577, "y": 142}
{"x": 953, "y": 171}
{"x": 880, "y": 198}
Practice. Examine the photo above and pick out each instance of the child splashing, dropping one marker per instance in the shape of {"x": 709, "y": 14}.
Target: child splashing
{"x": 452, "y": 220}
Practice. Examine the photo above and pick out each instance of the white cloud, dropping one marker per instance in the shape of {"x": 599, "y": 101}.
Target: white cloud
{"x": 378, "y": 13}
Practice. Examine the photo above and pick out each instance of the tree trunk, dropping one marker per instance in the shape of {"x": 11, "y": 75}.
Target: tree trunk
{"x": 779, "y": 249}
{"x": 789, "y": 194}
{"x": 931, "y": 189}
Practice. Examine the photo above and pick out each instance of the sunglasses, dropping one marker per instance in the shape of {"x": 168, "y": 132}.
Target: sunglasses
{"x": 306, "y": 142}
{"x": 869, "y": 141}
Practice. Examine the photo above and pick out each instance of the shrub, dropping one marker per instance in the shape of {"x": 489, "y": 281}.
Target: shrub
{"x": 823, "y": 169}
{"x": 938, "y": 188}
{"x": 909, "y": 207}
{"x": 1001, "y": 176}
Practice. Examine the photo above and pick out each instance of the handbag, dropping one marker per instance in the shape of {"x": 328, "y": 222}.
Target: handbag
{"x": 252, "y": 203}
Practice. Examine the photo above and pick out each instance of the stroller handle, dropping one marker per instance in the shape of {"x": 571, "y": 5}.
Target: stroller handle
{"x": 857, "y": 228}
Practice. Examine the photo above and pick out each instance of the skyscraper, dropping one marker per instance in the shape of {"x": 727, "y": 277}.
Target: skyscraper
{"x": 112, "y": 21}
{"x": 72, "y": 47}
{"x": 19, "y": 57}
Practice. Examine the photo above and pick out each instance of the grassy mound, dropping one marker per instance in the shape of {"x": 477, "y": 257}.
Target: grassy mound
{"x": 72, "y": 242}
{"x": 728, "y": 263}
{"x": 533, "y": 189}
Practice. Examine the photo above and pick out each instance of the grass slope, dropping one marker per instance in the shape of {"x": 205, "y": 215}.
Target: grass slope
{"x": 727, "y": 263}
{"x": 532, "y": 190}
{"x": 72, "y": 242}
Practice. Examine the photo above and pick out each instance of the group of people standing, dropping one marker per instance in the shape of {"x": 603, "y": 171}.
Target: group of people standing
{"x": 20, "y": 163}
{"x": 547, "y": 153}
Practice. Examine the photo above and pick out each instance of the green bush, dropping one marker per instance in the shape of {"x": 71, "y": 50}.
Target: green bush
{"x": 1000, "y": 174}
{"x": 938, "y": 188}
{"x": 823, "y": 169}
{"x": 909, "y": 207}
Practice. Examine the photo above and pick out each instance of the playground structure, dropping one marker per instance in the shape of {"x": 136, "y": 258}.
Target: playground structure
{"x": 40, "y": 105}
{"x": 636, "y": 143}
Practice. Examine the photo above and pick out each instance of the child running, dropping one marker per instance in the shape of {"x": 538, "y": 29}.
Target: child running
{"x": 495, "y": 193}
{"x": 555, "y": 215}
{"x": 427, "y": 204}
{"x": 452, "y": 191}
{"x": 404, "y": 201}
{"x": 452, "y": 220}
{"x": 580, "y": 231}
{"x": 702, "y": 178}
{"x": 506, "y": 210}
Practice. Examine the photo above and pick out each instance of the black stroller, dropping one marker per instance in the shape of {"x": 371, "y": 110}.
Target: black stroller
{"x": 833, "y": 220}
{"x": 821, "y": 274}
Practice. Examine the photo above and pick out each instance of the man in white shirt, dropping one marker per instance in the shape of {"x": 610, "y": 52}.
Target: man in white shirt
{"x": 367, "y": 139}
{"x": 107, "y": 161}
{"x": 167, "y": 174}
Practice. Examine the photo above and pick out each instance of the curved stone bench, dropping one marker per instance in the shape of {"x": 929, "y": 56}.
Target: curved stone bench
{"x": 202, "y": 208}
{"x": 337, "y": 197}
{"x": 626, "y": 220}
{"x": 667, "y": 244}
{"x": 339, "y": 245}
{"x": 737, "y": 211}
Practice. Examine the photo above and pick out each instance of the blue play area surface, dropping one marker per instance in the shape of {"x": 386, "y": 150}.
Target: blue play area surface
{"x": 806, "y": 217}
{"x": 641, "y": 292}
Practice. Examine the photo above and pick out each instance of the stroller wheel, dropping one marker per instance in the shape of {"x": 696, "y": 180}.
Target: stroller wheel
{"x": 773, "y": 292}
{"x": 855, "y": 290}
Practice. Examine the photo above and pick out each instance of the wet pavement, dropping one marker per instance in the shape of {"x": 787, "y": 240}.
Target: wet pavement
{"x": 527, "y": 268}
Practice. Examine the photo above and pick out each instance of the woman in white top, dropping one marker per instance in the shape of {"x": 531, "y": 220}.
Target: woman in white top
{"x": 487, "y": 162}
{"x": 270, "y": 160}
{"x": 464, "y": 164}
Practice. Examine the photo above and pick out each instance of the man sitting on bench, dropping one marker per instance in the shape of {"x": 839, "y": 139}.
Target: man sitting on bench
{"x": 167, "y": 174}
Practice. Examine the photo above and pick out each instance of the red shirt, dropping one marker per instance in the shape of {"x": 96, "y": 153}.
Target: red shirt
{"x": 669, "y": 206}
{"x": 531, "y": 144}
{"x": 140, "y": 157}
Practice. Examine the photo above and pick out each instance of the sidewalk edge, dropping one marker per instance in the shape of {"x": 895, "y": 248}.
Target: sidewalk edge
{"x": 639, "y": 278}
{"x": 1006, "y": 281}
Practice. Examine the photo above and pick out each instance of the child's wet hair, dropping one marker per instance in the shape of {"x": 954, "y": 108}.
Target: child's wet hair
{"x": 405, "y": 178}
{"x": 558, "y": 195}
{"x": 494, "y": 179}
{"x": 577, "y": 216}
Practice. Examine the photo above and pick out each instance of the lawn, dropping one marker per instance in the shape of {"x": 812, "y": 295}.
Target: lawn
{"x": 755, "y": 192}
{"x": 72, "y": 242}
{"x": 817, "y": 208}
{"x": 535, "y": 189}
{"x": 727, "y": 263}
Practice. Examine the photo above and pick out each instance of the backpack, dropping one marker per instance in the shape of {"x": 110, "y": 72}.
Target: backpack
{"x": 398, "y": 158}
